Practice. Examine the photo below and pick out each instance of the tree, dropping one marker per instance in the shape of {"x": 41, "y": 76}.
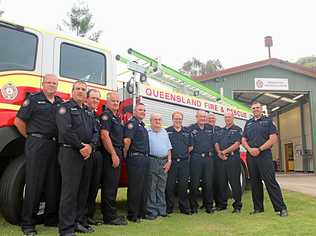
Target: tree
{"x": 307, "y": 61}
{"x": 80, "y": 21}
{"x": 195, "y": 67}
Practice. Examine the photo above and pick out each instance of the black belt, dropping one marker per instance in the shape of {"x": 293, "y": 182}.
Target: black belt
{"x": 66, "y": 145}
{"x": 42, "y": 136}
{"x": 158, "y": 158}
{"x": 136, "y": 154}
{"x": 178, "y": 159}
{"x": 204, "y": 154}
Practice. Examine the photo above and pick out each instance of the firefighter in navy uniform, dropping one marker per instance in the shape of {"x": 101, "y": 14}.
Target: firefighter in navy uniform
{"x": 136, "y": 150}
{"x": 201, "y": 162}
{"x": 92, "y": 102}
{"x": 211, "y": 120}
{"x": 112, "y": 152}
{"x": 77, "y": 136}
{"x": 36, "y": 121}
{"x": 228, "y": 163}
{"x": 258, "y": 137}
{"x": 179, "y": 172}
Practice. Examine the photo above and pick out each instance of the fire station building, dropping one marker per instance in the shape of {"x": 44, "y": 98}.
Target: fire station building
{"x": 288, "y": 92}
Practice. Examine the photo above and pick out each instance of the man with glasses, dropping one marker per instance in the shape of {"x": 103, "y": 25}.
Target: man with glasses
{"x": 92, "y": 102}
{"x": 258, "y": 137}
{"x": 179, "y": 172}
{"x": 78, "y": 137}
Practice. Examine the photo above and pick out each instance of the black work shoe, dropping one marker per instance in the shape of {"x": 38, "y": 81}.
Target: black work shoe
{"x": 92, "y": 221}
{"x": 194, "y": 211}
{"x": 133, "y": 219}
{"x": 150, "y": 217}
{"x": 116, "y": 221}
{"x": 186, "y": 212}
{"x": 237, "y": 211}
{"x": 169, "y": 211}
{"x": 209, "y": 211}
{"x": 220, "y": 208}
{"x": 69, "y": 234}
{"x": 83, "y": 229}
{"x": 163, "y": 215}
{"x": 29, "y": 232}
{"x": 256, "y": 212}
{"x": 284, "y": 213}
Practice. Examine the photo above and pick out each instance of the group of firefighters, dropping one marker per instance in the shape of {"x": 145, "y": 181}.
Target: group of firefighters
{"x": 70, "y": 152}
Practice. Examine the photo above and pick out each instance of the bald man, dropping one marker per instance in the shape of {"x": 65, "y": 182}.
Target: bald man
{"x": 36, "y": 122}
{"x": 201, "y": 162}
{"x": 228, "y": 164}
{"x": 112, "y": 131}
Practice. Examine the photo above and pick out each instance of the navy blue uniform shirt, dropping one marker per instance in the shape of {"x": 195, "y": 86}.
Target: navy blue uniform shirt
{"x": 228, "y": 136}
{"x": 202, "y": 139}
{"x": 257, "y": 132}
{"x": 180, "y": 141}
{"x": 39, "y": 114}
{"x": 136, "y": 131}
{"x": 113, "y": 125}
{"x": 76, "y": 125}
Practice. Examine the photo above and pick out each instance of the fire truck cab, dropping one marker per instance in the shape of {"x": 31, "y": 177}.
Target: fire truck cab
{"x": 26, "y": 55}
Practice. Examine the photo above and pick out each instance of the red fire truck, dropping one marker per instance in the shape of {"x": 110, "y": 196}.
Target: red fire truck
{"x": 26, "y": 54}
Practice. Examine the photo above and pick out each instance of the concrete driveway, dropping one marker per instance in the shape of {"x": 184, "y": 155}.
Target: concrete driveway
{"x": 304, "y": 183}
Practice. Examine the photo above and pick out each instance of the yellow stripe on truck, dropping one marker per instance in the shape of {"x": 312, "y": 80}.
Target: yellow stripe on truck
{"x": 6, "y": 106}
{"x": 34, "y": 81}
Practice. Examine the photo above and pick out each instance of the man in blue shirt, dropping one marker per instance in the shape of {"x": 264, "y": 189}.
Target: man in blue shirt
{"x": 159, "y": 164}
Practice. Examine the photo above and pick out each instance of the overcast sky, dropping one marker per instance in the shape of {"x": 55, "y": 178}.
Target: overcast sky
{"x": 176, "y": 30}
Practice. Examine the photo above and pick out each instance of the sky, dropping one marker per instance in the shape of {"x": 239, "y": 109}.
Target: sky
{"x": 175, "y": 31}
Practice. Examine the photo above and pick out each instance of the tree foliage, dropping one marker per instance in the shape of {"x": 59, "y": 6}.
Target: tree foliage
{"x": 79, "y": 20}
{"x": 309, "y": 61}
{"x": 195, "y": 67}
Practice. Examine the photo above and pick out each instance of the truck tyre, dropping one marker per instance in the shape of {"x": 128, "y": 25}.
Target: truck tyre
{"x": 11, "y": 190}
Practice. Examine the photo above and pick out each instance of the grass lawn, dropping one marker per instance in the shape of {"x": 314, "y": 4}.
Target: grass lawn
{"x": 301, "y": 221}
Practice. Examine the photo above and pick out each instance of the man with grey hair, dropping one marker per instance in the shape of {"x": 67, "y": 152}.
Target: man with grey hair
{"x": 228, "y": 163}
{"x": 36, "y": 122}
{"x": 159, "y": 164}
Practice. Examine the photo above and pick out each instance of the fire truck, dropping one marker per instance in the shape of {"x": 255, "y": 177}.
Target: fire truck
{"x": 27, "y": 53}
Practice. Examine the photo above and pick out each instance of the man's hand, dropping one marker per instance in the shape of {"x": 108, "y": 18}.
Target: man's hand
{"x": 222, "y": 155}
{"x": 167, "y": 166}
{"x": 115, "y": 160}
{"x": 254, "y": 152}
{"x": 86, "y": 151}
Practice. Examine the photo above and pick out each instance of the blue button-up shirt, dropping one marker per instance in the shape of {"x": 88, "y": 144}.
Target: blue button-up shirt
{"x": 159, "y": 143}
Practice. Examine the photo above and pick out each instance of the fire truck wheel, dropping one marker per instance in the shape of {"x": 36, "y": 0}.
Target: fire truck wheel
{"x": 11, "y": 190}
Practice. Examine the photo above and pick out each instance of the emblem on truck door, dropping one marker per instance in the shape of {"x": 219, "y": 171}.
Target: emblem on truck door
{"x": 9, "y": 91}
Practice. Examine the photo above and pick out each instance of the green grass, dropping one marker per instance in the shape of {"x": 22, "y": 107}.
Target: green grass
{"x": 301, "y": 221}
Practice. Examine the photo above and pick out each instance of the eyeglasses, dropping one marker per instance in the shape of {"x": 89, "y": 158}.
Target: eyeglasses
{"x": 79, "y": 88}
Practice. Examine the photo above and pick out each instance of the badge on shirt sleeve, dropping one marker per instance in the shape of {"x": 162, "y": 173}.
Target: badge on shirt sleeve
{"x": 130, "y": 126}
{"x": 26, "y": 103}
{"x": 104, "y": 117}
{"x": 62, "y": 110}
